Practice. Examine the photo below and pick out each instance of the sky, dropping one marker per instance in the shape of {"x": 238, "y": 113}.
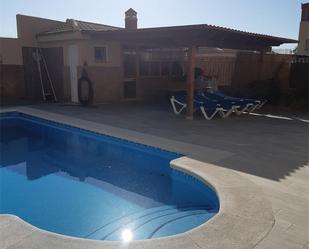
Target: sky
{"x": 272, "y": 17}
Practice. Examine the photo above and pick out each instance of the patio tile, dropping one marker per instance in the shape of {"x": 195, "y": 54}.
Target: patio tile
{"x": 223, "y": 235}
{"x": 13, "y": 232}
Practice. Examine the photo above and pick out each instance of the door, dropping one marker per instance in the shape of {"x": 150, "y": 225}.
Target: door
{"x": 73, "y": 63}
{"x": 130, "y": 66}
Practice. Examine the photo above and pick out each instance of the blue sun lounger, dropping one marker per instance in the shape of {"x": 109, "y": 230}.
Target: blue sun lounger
{"x": 240, "y": 105}
{"x": 208, "y": 109}
{"x": 245, "y": 105}
{"x": 227, "y": 108}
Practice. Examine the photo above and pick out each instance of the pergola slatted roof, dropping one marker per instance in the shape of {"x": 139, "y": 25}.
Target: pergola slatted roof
{"x": 192, "y": 35}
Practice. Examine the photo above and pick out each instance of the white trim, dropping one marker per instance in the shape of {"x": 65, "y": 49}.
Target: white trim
{"x": 73, "y": 55}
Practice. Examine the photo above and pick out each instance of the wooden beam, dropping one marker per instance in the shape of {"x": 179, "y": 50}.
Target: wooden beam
{"x": 190, "y": 81}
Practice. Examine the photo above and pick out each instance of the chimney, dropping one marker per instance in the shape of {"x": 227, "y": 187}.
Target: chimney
{"x": 305, "y": 12}
{"x": 131, "y": 19}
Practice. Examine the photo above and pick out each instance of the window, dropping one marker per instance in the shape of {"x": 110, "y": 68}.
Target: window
{"x": 166, "y": 68}
{"x": 307, "y": 45}
{"x": 144, "y": 68}
{"x": 149, "y": 68}
{"x": 154, "y": 69}
{"x": 129, "y": 66}
{"x": 158, "y": 63}
{"x": 100, "y": 54}
{"x": 177, "y": 69}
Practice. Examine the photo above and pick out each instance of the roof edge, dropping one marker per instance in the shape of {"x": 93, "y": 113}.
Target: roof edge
{"x": 199, "y": 26}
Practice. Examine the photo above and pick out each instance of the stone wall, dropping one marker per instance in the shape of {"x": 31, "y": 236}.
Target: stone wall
{"x": 12, "y": 85}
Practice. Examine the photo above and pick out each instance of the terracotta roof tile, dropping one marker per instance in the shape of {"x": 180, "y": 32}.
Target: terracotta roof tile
{"x": 75, "y": 25}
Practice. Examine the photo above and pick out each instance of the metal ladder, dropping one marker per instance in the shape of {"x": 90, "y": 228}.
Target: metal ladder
{"x": 38, "y": 57}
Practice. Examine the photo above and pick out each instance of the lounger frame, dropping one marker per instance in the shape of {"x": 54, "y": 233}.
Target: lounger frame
{"x": 174, "y": 101}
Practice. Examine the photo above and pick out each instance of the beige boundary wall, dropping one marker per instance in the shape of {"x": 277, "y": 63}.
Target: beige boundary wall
{"x": 10, "y": 51}
{"x": 247, "y": 67}
{"x": 11, "y": 69}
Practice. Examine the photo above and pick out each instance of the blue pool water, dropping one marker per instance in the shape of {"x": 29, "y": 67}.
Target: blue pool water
{"x": 79, "y": 183}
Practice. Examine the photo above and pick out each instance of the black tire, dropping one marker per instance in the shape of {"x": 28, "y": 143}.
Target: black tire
{"x": 87, "y": 101}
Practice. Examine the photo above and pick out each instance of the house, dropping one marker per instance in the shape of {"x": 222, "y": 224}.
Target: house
{"x": 126, "y": 63}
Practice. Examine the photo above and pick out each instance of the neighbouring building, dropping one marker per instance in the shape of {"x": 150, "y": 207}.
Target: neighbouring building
{"x": 128, "y": 63}
{"x": 303, "y": 46}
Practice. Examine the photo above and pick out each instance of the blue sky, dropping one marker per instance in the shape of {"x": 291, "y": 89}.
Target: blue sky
{"x": 273, "y": 17}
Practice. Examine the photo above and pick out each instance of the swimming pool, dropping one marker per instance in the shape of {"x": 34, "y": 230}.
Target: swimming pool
{"x": 79, "y": 183}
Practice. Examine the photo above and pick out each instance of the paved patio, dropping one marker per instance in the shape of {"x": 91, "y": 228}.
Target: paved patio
{"x": 270, "y": 150}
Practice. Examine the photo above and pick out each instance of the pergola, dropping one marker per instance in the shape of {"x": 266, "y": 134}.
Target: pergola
{"x": 191, "y": 37}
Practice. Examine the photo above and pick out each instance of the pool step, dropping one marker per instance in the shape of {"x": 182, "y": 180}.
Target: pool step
{"x": 172, "y": 224}
{"x": 150, "y": 223}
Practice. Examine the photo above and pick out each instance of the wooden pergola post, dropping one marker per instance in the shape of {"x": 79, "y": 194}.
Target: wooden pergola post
{"x": 190, "y": 81}
{"x": 260, "y": 64}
